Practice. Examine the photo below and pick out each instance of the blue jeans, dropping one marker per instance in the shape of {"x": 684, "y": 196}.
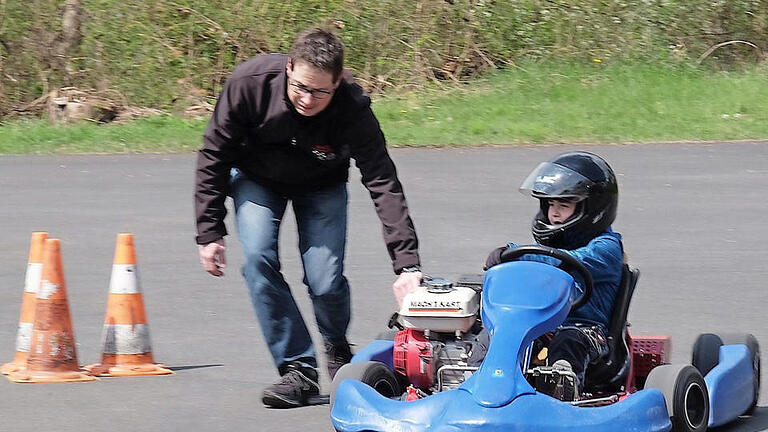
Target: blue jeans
{"x": 321, "y": 217}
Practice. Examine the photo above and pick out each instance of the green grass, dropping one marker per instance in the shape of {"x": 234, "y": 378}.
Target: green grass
{"x": 533, "y": 103}
{"x": 165, "y": 134}
{"x": 545, "y": 104}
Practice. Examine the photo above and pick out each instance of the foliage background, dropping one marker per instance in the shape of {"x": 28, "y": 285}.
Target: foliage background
{"x": 159, "y": 53}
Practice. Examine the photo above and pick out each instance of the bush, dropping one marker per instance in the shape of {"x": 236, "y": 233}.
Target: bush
{"x": 156, "y": 52}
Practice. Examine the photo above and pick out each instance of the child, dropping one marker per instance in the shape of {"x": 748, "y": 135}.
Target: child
{"x": 578, "y": 195}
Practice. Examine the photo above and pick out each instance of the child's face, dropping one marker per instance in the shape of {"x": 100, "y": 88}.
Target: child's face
{"x": 560, "y": 210}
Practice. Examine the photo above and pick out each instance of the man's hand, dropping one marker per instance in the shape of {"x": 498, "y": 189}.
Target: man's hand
{"x": 212, "y": 257}
{"x": 405, "y": 283}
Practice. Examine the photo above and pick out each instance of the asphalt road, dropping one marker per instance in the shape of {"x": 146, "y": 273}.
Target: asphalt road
{"x": 692, "y": 216}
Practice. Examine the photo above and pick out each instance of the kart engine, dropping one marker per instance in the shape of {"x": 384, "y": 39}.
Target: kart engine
{"x": 439, "y": 323}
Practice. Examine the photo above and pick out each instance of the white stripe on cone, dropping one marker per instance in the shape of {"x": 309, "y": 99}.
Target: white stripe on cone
{"x": 24, "y": 337}
{"x": 33, "y": 276}
{"x": 47, "y": 289}
{"x": 126, "y": 339}
{"x": 125, "y": 279}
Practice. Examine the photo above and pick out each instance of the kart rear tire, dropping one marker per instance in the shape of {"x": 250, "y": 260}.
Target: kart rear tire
{"x": 754, "y": 348}
{"x": 375, "y": 374}
{"x": 706, "y": 352}
{"x": 685, "y": 393}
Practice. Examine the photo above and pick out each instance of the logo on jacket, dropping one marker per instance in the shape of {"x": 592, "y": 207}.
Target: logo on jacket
{"x": 323, "y": 152}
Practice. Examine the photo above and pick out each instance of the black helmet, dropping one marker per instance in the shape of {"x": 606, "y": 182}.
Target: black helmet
{"x": 579, "y": 176}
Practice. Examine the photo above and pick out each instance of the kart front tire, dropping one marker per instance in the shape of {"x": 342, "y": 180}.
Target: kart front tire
{"x": 706, "y": 352}
{"x": 686, "y": 396}
{"x": 754, "y": 348}
{"x": 375, "y": 374}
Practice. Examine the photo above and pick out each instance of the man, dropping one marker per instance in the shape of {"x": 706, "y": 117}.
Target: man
{"x": 283, "y": 130}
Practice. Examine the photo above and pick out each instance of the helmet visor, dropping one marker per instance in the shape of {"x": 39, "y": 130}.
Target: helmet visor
{"x": 550, "y": 180}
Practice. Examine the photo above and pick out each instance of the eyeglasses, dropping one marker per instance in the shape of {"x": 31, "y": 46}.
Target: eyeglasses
{"x": 304, "y": 90}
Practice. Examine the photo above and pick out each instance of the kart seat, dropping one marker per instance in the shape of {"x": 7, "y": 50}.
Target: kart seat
{"x": 610, "y": 375}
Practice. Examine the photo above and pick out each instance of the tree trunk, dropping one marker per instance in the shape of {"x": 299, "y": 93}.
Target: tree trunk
{"x": 71, "y": 35}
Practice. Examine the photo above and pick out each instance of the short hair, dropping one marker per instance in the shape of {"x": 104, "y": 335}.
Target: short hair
{"x": 320, "y": 48}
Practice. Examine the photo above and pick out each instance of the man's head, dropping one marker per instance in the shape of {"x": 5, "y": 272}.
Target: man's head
{"x": 314, "y": 70}
{"x": 578, "y": 197}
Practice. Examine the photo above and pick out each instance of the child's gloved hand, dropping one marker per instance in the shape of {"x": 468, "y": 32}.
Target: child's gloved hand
{"x": 494, "y": 257}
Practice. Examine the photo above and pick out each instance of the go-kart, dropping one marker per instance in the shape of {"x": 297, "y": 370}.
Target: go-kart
{"x": 419, "y": 377}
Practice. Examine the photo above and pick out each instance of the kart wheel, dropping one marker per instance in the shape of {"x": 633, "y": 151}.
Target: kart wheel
{"x": 706, "y": 352}
{"x": 686, "y": 396}
{"x": 373, "y": 373}
{"x": 754, "y": 348}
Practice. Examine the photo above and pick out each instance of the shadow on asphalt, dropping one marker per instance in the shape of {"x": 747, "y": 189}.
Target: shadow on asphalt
{"x": 757, "y": 422}
{"x": 180, "y": 368}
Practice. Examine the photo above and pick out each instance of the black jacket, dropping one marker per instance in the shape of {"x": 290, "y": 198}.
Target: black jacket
{"x": 255, "y": 128}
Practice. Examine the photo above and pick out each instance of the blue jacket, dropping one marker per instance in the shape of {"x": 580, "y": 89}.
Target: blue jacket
{"x": 603, "y": 257}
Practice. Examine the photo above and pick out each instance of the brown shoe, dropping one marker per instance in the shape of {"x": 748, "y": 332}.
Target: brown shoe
{"x": 336, "y": 356}
{"x": 294, "y": 389}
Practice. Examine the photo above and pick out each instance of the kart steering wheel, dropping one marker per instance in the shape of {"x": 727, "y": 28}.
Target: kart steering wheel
{"x": 568, "y": 264}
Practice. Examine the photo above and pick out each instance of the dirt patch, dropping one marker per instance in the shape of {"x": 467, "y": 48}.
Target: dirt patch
{"x": 72, "y": 105}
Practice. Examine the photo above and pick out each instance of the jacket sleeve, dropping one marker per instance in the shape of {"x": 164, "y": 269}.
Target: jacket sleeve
{"x": 603, "y": 257}
{"x": 379, "y": 176}
{"x": 221, "y": 141}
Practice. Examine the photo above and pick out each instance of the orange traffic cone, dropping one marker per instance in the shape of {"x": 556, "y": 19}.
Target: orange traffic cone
{"x": 26, "y": 320}
{"x": 126, "y": 347}
{"x": 52, "y": 352}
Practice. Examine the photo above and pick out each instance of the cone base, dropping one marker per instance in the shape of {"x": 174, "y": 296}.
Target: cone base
{"x": 27, "y": 376}
{"x": 11, "y": 367}
{"x": 107, "y": 370}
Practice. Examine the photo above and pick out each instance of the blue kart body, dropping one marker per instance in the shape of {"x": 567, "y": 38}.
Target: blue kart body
{"x": 522, "y": 301}
{"x": 730, "y": 385}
